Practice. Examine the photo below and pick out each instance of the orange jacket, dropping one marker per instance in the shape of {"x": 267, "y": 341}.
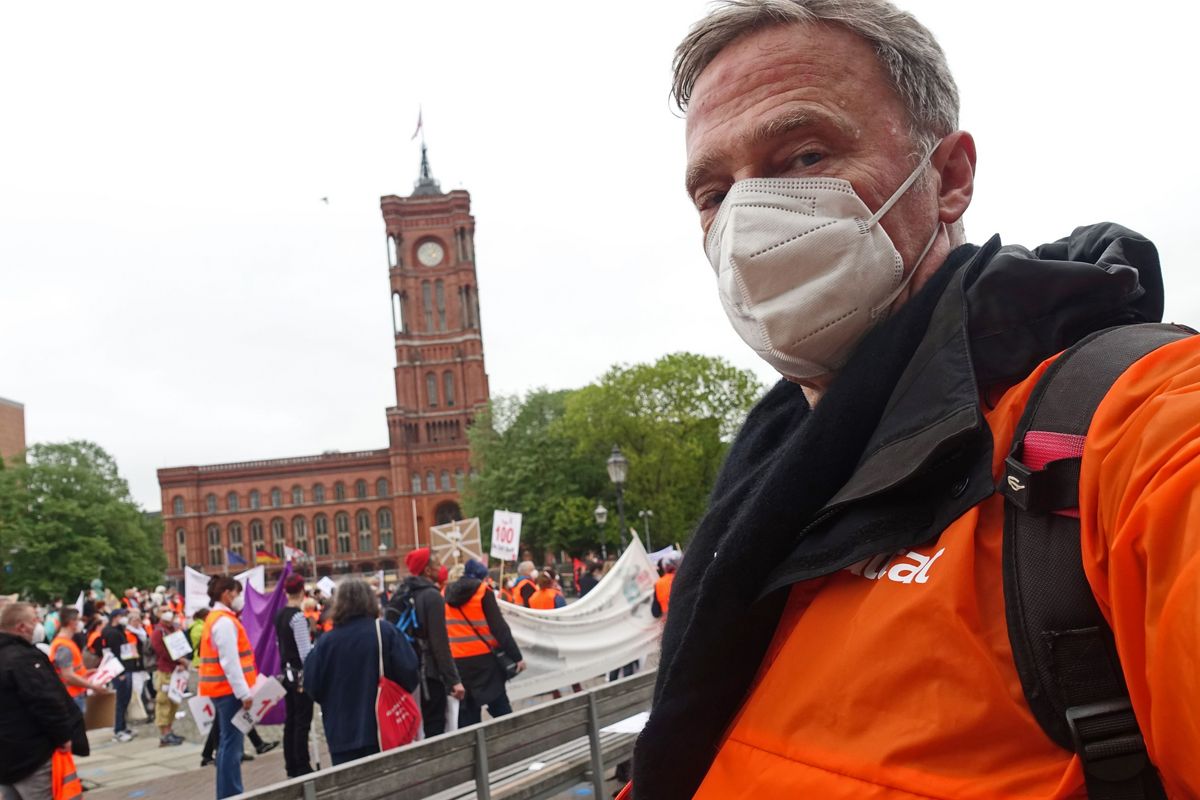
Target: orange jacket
{"x": 916, "y": 694}
{"x": 543, "y": 599}
{"x": 76, "y": 663}
{"x": 662, "y": 590}
{"x": 465, "y": 640}
{"x": 213, "y": 682}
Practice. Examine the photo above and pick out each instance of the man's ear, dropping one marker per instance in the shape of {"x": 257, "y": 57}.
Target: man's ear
{"x": 954, "y": 160}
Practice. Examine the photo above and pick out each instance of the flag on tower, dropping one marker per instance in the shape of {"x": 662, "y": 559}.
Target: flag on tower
{"x": 419, "y": 123}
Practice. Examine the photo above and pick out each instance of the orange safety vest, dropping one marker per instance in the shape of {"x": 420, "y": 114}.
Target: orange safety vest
{"x": 543, "y": 599}
{"x": 662, "y": 590}
{"x": 76, "y": 663}
{"x": 92, "y": 637}
{"x": 64, "y": 781}
{"x": 213, "y": 682}
{"x": 894, "y": 678}
{"x": 465, "y": 641}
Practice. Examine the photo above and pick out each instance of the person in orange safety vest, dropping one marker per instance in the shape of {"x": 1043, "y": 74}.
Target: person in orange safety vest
{"x": 67, "y": 659}
{"x": 548, "y": 596}
{"x": 662, "y": 587}
{"x": 840, "y": 627}
{"x": 227, "y": 675}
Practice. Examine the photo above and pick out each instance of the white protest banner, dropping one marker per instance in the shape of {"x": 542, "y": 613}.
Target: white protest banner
{"x": 256, "y": 577}
{"x": 327, "y": 586}
{"x": 110, "y": 667}
{"x": 506, "y": 535}
{"x": 455, "y": 542}
{"x": 177, "y": 689}
{"x": 266, "y": 693}
{"x": 177, "y": 645}
{"x": 204, "y": 712}
{"x": 607, "y": 628}
{"x": 195, "y": 591}
{"x": 79, "y": 603}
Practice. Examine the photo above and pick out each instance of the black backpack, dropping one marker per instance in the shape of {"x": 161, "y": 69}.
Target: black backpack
{"x": 1062, "y": 645}
{"x": 402, "y": 612}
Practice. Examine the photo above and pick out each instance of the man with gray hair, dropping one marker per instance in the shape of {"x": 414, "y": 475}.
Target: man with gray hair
{"x": 905, "y": 637}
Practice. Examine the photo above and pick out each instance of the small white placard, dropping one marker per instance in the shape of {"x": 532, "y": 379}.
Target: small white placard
{"x": 177, "y": 689}
{"x": 327, "y": 586}
{"x": 632, "y": 724}
{"x": 204, "y": 712}
{"x": 506, "y": 535}
{"x": 266, "y": 693}
{"x": 110, "y": 667}
{"x": 177, "y": 645}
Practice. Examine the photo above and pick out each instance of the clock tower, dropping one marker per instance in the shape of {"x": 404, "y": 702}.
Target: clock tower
{"x": 440, "y": 376}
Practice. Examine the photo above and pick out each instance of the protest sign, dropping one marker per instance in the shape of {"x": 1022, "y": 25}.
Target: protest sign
{"x": 327, "y": 586}
{"x": 455, "y": 542}
{"x": 204, "y": 712}
{"x": 177, "y": 645}
{"x": 177, "y": 689}
{"x": 110, "y": 667}
{"x": 506, "y": 535}
{"x": 266, "y": 693}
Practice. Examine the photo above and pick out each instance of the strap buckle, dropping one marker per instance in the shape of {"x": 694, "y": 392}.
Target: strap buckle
{"x": 1108, "y": 740}
{"x": 1052, "y": 489}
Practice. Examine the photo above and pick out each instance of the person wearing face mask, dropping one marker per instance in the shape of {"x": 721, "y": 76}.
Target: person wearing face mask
{"x": 164, "y": 667}
{"x": 37, "y": 716}
{"x": 976, "y": 484}
{"x": 117, "y": 639}
{"x": 67, "y": 658}
{"x": 227, "y": 673}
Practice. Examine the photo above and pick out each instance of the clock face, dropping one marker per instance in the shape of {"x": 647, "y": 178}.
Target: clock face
{"x": 430, "y": 254}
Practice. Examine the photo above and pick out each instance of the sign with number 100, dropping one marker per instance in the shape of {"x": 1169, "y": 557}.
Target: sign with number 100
{"x": 506, "y": 535}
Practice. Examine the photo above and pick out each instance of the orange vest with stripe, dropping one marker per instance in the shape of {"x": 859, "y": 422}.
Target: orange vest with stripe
{"x": 543, "y": 599}
{"x": 465, "y": 641}
{"x": 213, "y": 682}
{"x": 662, "y": 590}
{"x": 64, "y": 782}
{"x": 76, "y": 664}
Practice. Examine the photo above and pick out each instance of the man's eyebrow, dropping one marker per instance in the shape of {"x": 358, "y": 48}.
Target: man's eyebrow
{"x": 773, "y": 128}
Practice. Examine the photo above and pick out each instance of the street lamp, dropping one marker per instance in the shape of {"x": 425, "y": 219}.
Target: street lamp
{"x": 618, "y": 470}
{"x": 645, "y": 516}
{"x": 601, "y": 518}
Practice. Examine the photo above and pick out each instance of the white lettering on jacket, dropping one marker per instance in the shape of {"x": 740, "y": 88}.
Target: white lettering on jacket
{"x": 886, "y": 565}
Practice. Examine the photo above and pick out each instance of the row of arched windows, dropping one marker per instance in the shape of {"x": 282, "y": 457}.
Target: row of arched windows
{"x": 433, "y": 308}
{"x": 431, "y": 388}
{"x": 234, "y": 539}
{"x": 233, "y": 501}
{"x": 431, "y": 482}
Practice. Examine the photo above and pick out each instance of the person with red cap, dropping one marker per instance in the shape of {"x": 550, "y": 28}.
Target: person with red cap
{"x": 295, "y": 642}
{"x": 419, "y": 594}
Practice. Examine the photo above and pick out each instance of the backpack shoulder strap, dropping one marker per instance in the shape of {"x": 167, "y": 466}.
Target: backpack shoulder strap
{"x": 1061, "y": 643}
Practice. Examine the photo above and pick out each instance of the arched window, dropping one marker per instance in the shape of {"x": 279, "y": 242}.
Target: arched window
{"x": 362, "y": 523}
{"x": 381, "y": 487}
{"x": 321, "y": 524}
{"x": 210, "y": 502}
{"x": 416, "y": 483}
{"x": 177, "y": 506}
{"x": 440, "y": 292}
{"x": 427, "y": 304}
{"x": 431, "y": 392}
{"x": 279, "y": 536}
{"x": 235, "y": 539}
{"x": 300, "y": 533}
{"x": 255, "y": 499}
{"x": 341, "y": 524}
{"x": 276, "y": 498}
{"x": 181, "y": 549}
{"x": 391, "y": 244}
{"x": 448, "y": 387}
{"x": 460, "y": 479}
{"x": 468, "y": 307}
{"x": 257, "y": 541}
{"x": 319, "y": 493}
{"x": 231, "y": 501}
{"x": 385, "y": 527}
{"x": 297, "y": 495}
{"x": 399, "y": 318}
{"x": 360, "y": 489}
{"x": 430, "y": 482}
{"x": 446, "y": 487}
{"x": 216, "y": 556}
{"x": 339, "y": 491}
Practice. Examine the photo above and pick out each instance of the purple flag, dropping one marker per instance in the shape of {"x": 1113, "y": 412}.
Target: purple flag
{"x": 258, "y": 618}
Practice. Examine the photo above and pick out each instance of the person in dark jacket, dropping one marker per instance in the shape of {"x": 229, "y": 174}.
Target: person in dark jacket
{"x": 126, "y": 648}
{"x": 439, "y": 677}
{"x": 295, "y": 643}
{"x": 590, "y": 578}
{"x": 37, "y": 715}
{"x": 481, "y": 674}
{"x": 342, "y": 671}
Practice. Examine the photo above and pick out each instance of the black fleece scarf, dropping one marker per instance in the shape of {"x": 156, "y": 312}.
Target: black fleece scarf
{"x": 789, "y": 460}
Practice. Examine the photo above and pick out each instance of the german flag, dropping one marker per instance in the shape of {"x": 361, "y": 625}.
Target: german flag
{"x": 263, "y": 557}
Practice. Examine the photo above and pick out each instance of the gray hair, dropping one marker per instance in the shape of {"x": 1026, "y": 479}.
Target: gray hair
{"x": 354, "y": 598}
{"x": 906, "y": 49}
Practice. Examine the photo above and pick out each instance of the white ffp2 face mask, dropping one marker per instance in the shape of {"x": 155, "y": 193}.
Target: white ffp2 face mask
{"x": 239, "y": 602}
{"x": 805, "y": 269}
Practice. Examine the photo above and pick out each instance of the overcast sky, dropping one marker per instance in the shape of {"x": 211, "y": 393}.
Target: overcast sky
{"x": 174, "y": 289}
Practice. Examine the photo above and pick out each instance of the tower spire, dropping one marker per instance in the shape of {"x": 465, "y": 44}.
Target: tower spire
{"x": 425, "y": 183}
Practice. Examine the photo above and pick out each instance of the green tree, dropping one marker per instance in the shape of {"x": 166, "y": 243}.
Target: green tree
{"x": 544, "y": 455}
{"x": 66, "y": 517}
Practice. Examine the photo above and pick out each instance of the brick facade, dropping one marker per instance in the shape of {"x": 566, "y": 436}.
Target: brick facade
{"x": 358, "y": 512}
{"x": 12, "y": 429}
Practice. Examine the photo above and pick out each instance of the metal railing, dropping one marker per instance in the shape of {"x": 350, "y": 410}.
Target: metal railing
{"x": 493, "y": 758}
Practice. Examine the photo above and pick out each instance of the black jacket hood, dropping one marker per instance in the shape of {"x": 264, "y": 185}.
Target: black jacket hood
{"x": 461, "y": 591}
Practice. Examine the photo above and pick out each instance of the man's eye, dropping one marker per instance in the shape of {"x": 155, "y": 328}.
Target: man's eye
{"x": 808, "y": 159}
{"x": 709, "y": 200}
